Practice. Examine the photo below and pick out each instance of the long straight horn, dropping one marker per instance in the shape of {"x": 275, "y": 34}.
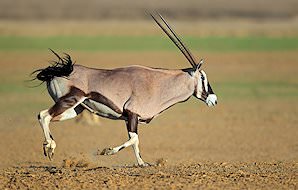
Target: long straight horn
{"x": 180, "y": 41}
{"x": 177, "y": 41}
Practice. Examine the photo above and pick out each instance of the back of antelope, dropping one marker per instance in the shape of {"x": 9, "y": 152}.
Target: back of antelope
{"x": 135, "y": 94}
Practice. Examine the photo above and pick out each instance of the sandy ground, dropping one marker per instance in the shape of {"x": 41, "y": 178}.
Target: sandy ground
{"x": 246, "y": 142}
{"x": 273, "y": 175}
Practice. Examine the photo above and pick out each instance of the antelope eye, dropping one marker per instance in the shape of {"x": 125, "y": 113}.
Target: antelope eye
{"x": 202, "y": 77}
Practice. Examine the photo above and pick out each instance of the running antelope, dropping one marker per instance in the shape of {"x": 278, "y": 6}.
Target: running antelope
{"x": 135, "y": 94}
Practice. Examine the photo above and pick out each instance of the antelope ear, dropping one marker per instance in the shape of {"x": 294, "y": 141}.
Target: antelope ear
{"x": 198, "y": 66}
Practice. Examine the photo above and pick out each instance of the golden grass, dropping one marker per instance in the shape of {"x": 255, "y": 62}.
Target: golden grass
{"x": 221, "y": 27}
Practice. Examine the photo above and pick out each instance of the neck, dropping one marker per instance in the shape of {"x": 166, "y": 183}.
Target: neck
{"x": 194, "y": 77}
{"x": 195, "y": 85}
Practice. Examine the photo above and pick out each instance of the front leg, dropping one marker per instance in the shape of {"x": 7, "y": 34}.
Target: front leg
{"x": 110, "y": 151}
{"x": 132, "y": 128}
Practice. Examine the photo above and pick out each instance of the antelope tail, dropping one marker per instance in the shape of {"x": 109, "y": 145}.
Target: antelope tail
{"x": 61, "y": 68}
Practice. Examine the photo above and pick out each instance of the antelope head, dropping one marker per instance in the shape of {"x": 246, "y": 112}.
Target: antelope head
{"x": 202, "y": 90}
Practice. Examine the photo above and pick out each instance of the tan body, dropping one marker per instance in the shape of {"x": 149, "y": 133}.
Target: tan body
{"x": 134, "y": 93}
{"x": 141, "y": 90}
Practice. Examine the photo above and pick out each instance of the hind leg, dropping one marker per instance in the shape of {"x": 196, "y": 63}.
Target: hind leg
{"x": 65, "y": 108}
{"x": 49, "y": 144}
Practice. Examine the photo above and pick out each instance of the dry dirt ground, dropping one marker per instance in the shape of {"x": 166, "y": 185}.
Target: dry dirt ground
{"x": 261, "y": 175}
{"x": 249, "y": 141}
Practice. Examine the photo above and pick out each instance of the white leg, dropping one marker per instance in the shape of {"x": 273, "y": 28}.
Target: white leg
{"x": 45, "y": 118}
{"x": 133, "y": 137}
{"x": 49, "y": 144}
{"x": 136, "y": 149}
{"x": 134, "y": 142}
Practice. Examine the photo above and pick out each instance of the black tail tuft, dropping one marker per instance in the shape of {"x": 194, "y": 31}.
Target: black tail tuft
{"x": 61, "y": 68}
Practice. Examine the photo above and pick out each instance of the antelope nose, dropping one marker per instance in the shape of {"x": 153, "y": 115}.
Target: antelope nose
{"x": 215, "y": 102}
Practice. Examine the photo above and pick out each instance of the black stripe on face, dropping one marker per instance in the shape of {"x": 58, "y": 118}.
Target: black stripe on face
{"x": 204, "y": 92}
{"x": 210, "y": 91}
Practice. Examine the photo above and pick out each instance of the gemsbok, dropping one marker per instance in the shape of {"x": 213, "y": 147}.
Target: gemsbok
{"x": 135, "y": 94}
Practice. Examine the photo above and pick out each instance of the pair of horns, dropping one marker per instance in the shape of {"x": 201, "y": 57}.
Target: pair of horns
{"x": 177, "y": 41}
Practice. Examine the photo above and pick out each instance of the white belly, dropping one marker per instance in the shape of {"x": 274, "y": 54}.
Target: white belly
{"x": 101, "y": 109}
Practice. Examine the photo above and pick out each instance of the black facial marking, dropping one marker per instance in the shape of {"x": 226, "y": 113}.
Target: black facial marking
{"x": 204, "y": 94}
{"x": 210, "y": 91}
{"x": 202, "y": 77}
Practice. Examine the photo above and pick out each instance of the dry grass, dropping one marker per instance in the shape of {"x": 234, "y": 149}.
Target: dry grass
{"x": 221, "y": 27}
{"x": 127, "y": 9}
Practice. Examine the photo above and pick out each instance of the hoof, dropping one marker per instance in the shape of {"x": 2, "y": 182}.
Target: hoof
{"x": 107, "y": 151}
{"x": 145, "y": 164}
{"x": 48, "y": 148}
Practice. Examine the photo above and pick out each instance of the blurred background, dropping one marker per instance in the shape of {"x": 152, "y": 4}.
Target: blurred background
{"x": 250, "y": 49}
{"x": 126, "y": 9}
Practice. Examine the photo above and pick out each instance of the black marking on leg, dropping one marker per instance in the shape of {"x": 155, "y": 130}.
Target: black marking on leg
{"x": 146, "y": 120}
{"x": 97, "y": 97}
{"x": 140, "y": 156}
{"x": 121, "y": 148}
{"x": 51, "y": 136}
{"x": 44, "y": 148}
{"x": 132, "y": 121}
{"x": 66, "y": 102}
{"x": 79, "y": 109}
{"x": 38, "y": 117}
{"x": 44, "y": 151}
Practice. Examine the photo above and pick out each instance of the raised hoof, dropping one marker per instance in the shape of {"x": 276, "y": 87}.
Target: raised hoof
{"x": 48, "y": 148}
{"x": 107, "y": 151}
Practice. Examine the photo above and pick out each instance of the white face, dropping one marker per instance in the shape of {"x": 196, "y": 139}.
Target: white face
{"x": 203, "y": 89}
